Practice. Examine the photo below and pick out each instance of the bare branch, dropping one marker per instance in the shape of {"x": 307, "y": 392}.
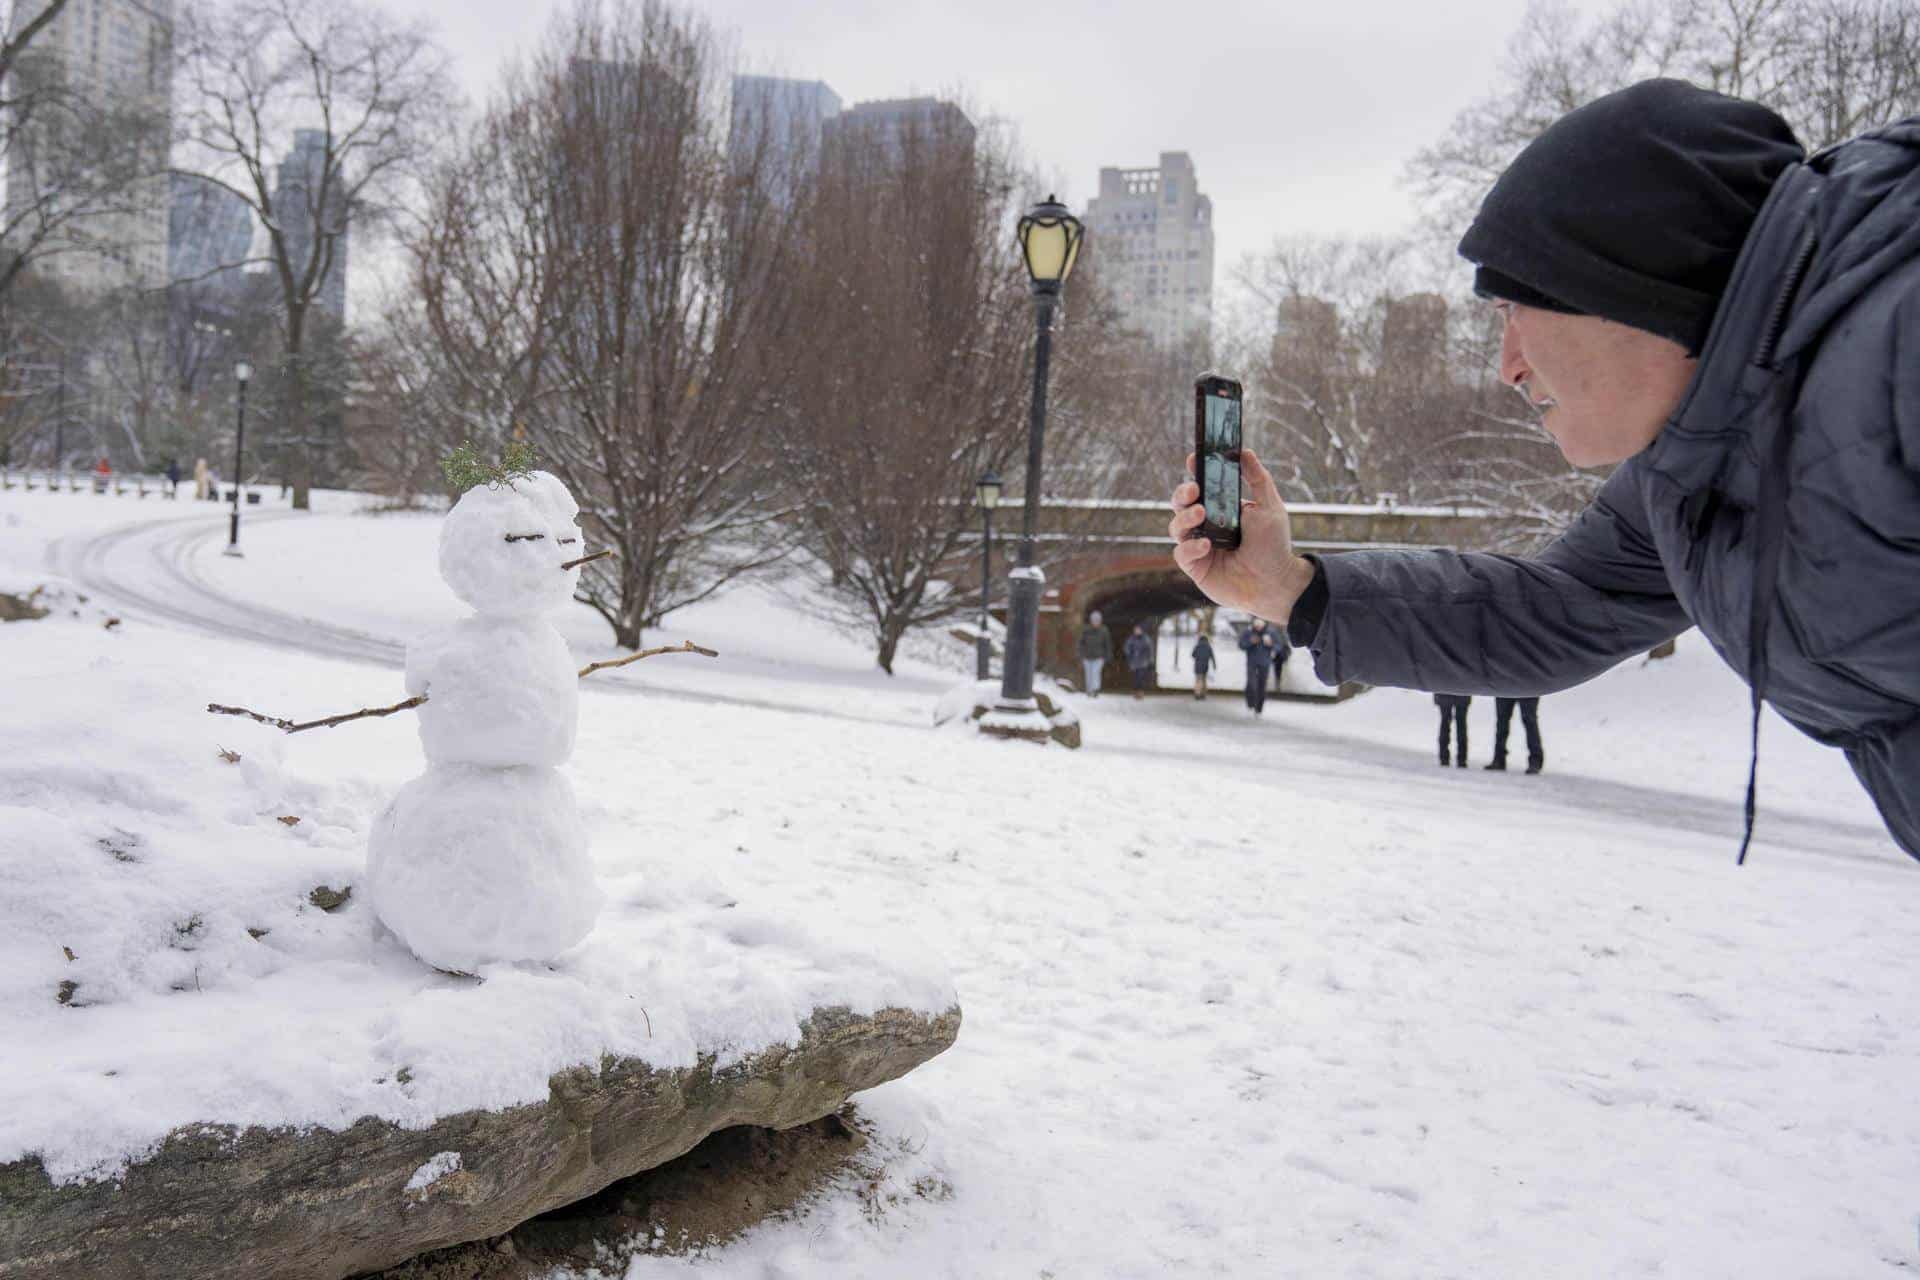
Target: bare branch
{"x": 684, "y": 647}
{"x": 328, "y": 723}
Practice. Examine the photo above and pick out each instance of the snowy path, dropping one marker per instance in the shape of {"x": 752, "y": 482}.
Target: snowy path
{"x": 148, "y": 571}
{"x": 153, "y": 571}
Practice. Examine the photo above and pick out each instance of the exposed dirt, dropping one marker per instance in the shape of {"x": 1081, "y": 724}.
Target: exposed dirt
{"x": 733, "y": 1180}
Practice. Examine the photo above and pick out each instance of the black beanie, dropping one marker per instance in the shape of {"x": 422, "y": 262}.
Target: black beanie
{"x": 1632, "y": 207}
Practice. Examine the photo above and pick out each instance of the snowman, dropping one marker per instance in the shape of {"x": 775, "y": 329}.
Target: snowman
{"x": 483, "y": 858}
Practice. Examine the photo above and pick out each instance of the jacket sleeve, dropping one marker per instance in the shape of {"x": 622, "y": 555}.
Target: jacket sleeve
{"x": 1454, "y": 622}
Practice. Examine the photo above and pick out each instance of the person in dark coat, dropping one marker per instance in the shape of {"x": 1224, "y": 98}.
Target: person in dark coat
{"x": 173, "y": 477}
{"x": 1257, "y": 642}
{"x": 1529, "y": 720}
{"x": 1095, "y": 647}
{"x": 1453, "y": 713}
{"x": 1734, "y": 325}
{"x": 1203, "y": 662}
{"x": 1139, "y": 654}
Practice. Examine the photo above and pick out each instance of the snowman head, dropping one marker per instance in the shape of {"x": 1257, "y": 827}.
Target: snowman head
{"x": 501, "y": 553}
{"x": 562, "y": 512}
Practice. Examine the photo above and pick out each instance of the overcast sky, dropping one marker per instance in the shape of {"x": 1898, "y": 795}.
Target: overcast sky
{"x": 1299, "y": 116}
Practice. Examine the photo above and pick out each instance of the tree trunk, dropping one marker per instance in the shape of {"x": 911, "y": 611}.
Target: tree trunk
{"x": 627, "y": 632}
{"x": 890, "y": 633}
{"x": 300, "y": 464}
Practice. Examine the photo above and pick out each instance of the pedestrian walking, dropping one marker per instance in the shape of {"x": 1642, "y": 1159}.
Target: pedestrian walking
{"x": 1453, "y": 711}
{"x": 173, "y": 477}
{"x": 1529, "y": 720}
{"x": 1203, "y": 662}
{"x": 1096, "y": 646}
{"x": 1257, "y": 642}
{"x": 1139, "y": 655}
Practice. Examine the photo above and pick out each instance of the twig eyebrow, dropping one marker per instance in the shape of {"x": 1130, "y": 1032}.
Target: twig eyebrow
{"x": 524, "y": 537}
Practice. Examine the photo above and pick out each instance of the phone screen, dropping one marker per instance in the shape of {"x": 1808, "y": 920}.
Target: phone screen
{"x": 1220, "y": 459}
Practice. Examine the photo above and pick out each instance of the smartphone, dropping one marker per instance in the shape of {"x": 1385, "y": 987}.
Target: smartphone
{"x": 1216, "y": 456}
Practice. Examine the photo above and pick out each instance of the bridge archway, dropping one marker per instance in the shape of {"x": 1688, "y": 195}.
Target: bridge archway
{"x": 1143, "y": 589}
{"x": 1120, "y": 562}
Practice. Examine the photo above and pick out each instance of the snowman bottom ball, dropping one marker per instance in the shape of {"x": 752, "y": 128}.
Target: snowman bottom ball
{"x": 472, "y": 865}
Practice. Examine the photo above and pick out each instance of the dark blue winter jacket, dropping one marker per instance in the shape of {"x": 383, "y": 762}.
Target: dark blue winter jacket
{"x": 1261, "y": 647}
{"x": 1778, "y": 510}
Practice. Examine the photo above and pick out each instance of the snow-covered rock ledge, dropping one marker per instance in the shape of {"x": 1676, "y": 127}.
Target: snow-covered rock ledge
{"x": 213, "y": 1201}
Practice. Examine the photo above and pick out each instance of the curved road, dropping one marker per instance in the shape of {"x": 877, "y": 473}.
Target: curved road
{"x": 147, "y": 571}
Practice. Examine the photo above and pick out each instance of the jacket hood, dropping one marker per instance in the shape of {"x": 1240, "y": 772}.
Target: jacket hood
{"x": 1864, "y": 222}
{"x": 1831, "y": 229}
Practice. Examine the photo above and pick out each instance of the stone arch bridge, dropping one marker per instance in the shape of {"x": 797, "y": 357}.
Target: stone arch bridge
{"x": 1117, "y": 560}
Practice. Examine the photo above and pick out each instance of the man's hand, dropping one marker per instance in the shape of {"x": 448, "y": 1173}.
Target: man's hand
{"x": 1263, "y": 575}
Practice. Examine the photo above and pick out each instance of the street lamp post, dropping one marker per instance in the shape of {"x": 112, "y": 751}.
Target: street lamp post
{"x": 1050, "y": 239}
{"x": 241, "y": 372}
{"x": 987, "y": 488}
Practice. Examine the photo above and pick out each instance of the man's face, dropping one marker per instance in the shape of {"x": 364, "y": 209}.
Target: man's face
{"x": 1606, "y": 388}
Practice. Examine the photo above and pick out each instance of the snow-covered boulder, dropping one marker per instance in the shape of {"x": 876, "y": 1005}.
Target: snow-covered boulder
{"x": 218, "y": 1202}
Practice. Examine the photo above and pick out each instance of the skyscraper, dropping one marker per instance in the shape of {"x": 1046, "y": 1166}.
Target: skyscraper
{"x": 1155, "y": 235}
{"x": 779, "y": 122}
{"x": 891, "y": 121}
{"x": 209, "y": 230}
{"x": 114, "y": 57}
{"x": 297, "y": 201}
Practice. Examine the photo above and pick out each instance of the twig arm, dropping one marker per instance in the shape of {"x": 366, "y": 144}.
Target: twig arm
{"x": 687, "y": 647}
{"x": 328, "y": 723}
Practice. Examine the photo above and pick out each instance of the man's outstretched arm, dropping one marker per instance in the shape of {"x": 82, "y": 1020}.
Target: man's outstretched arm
{"x": 1446, "y": 621}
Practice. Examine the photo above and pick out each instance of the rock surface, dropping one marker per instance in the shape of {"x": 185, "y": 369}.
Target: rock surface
{"x": 279, "y": 1204}
{"x": 20, "y": 608}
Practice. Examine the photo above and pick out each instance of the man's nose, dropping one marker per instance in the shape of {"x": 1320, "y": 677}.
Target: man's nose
{"x": 1513, "y": 367}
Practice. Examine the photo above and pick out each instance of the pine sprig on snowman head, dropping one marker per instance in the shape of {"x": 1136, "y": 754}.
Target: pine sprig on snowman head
{"x": 465, "y": 469}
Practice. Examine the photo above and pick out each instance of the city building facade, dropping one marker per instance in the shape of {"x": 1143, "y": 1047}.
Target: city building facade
{"x": 115, "y": 57}
{"x": 298, "y": 195}
{"x": 1153, "y": 230}
{"x": 788, "y": 123}
{"x": 779, "y": 122}
{"x": 209, "y": 230}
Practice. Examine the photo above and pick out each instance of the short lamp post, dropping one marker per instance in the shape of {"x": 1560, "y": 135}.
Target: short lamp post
{"x": 1050, "y": 239}
{"x": 987, "y": 490}
{"x": 241, "y": 373}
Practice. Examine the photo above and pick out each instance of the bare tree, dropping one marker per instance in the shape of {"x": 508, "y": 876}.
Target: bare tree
{"x": 42, "y": 340}
{"x": 1832, "y": 67}
{"x": 919, "y": 330}
{"x": 397, "y": 425}
{"x": 373, "y": 96}
{"x": 78, "y": 159}
{"x": 598, "y": 272}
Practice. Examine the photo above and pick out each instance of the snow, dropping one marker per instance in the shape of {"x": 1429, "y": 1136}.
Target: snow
{"x": 1243, "y": 996}
{"x": 436, "y": 1168}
